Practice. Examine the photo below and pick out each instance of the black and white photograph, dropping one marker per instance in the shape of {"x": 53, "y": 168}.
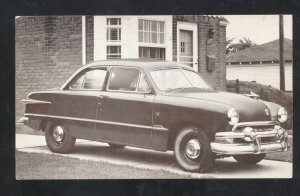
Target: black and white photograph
{"x": 153, "y": 97}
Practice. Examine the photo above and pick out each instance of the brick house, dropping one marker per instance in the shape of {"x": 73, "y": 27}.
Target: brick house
{"x": 50, "y": 48}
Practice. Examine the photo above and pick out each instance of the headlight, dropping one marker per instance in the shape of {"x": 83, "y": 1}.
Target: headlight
{"x": 234, "y": 116}
{"x": 282, "y": 115}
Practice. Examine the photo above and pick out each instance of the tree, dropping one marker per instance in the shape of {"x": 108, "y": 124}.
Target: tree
{"x": 229, "y": 45}
{"x": 242, "y": 44}
{"x": 246, "y": 43}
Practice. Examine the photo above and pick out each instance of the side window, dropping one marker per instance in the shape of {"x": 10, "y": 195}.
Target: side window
{"x": 123, "y": 79}
{"x": 92, "y": 79}
{"x": 143, "y": 85}
{"x": 77, "y": 83}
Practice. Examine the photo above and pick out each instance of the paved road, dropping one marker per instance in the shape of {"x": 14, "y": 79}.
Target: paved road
{"x": 158, "y": 161}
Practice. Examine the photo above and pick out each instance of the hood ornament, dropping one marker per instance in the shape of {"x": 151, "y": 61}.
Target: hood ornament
{"x": 252, "y": 95}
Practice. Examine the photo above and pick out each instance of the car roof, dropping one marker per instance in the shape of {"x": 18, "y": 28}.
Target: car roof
{"x": 148, "y": 64}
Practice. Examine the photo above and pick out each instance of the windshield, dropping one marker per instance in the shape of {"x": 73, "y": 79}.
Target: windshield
{"x": 170, "y": 79}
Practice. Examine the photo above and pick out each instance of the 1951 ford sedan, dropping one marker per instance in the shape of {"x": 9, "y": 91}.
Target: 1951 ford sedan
{"x": 157, "y": 105}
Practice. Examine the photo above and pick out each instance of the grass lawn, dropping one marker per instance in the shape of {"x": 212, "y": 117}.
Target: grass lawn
{"x": 43, "y": 166}
{"x": 283, "y": 156}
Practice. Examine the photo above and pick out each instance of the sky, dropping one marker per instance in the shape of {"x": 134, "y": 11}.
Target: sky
{"x": 258, "y": 28}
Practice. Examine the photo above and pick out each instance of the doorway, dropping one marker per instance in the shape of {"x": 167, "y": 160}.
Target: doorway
{"x": 187, "y": 44}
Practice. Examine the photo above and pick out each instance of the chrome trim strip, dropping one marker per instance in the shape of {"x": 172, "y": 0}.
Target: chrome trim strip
{"x": 70, "y": 92}
{"x": 133, "y": 92}
{"x": 254, "y": 123}
{"x": 34, "y": 101}
{"x": 99, "y": 121}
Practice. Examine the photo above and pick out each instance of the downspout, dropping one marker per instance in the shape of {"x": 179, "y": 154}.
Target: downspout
{"x": 83, "y": 40}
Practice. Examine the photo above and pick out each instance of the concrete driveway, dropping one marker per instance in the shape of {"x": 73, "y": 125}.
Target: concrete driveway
{"x": 152, "y": 160}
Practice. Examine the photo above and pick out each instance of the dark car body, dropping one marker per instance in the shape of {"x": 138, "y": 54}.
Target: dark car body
{"x": 152, "y": 119}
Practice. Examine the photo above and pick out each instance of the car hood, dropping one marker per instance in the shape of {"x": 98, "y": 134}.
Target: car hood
{"x": 249, "y": 109}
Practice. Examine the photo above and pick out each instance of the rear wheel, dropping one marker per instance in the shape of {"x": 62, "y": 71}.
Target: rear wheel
{"x": 116, "y": 146}
{"x": 249, "y": 159}
{"x": 58, "y": 138}
{"x": 192, "y": 150}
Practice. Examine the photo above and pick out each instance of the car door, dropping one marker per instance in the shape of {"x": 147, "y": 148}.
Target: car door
{"x": 80, "y": 102}
{"x": 126, "y": 108}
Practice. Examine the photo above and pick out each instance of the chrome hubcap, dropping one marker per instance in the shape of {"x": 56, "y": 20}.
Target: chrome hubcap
{"x": 192, "y": 149}
{"x": 58, "y": 133}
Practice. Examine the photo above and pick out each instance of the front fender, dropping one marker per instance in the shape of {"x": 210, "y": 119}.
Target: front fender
{"x": 173, "y": 111}
{"x": 273, "y": 108}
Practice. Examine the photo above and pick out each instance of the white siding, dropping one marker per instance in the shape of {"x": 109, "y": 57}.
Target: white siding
{"x": 129, "y": 36}
{"x": 99, "y": 37}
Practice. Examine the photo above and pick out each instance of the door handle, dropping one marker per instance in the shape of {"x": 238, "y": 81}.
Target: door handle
{"x": 103, "y": 96}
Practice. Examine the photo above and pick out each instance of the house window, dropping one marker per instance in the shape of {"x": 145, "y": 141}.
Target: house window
{"x": 113, "y": 21}
{"x": 113, "y": 52}
{"x": 182, "y": 47}
{"x": 151, "y": 31}
{"x": 152, "y": 53}
{"x": 113, "y": 30}
{"x": 114, "y": 34}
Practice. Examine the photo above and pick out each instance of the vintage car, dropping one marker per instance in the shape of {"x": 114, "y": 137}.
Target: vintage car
{"x": 157, "y": 105}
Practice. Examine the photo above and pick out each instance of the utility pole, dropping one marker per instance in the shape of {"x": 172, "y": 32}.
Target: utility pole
{"x": 281, "y": 53}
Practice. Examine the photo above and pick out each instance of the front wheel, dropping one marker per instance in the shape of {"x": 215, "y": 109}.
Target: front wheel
{"x": 58, "y": 138}
{"x": 192, "y": 150}
{"x": 249, "y": 159}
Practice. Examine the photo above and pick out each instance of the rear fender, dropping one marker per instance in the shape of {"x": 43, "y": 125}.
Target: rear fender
{"x": 34, "y": 123}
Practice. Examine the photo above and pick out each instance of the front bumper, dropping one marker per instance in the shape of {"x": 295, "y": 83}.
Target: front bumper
{"x": 246, "y": 139}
